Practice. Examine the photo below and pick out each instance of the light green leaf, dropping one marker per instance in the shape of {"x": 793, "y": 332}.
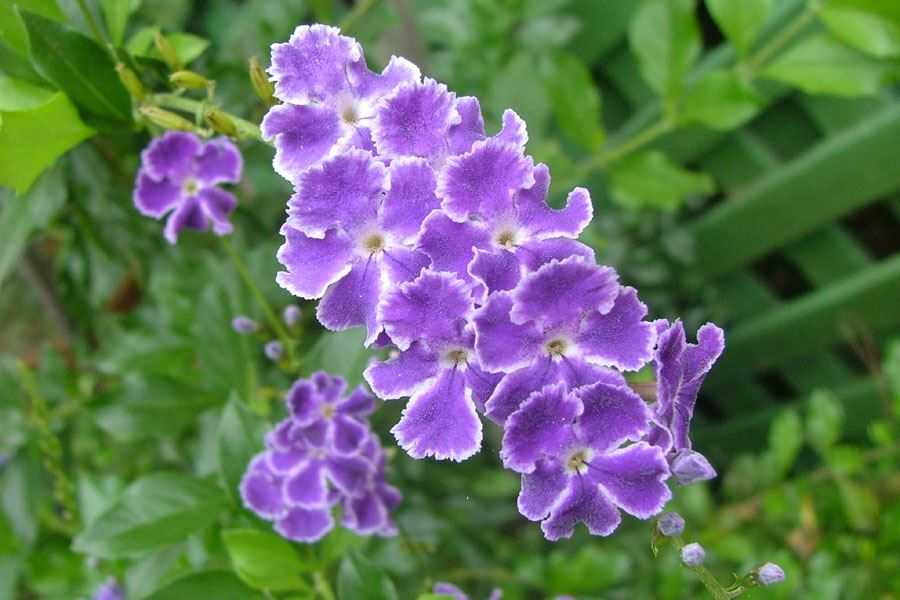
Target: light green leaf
{"x": 665, "y": 38}
{"x": 822, "y": 65}
{"x": 78, "y": 66}
{"x": 49, "y": 9}
{"x": 239, "y": 439}
{"x": 867, "y": 32}
{"x": 265, "y": 561}
{"x": 209, "y": 585}
{"x": 18, "y": 95}
{"x": 740, "y": 20}
{"x": 576, "y": 101}
{"x": 21, "y": 216}
{"x": 860, "y": 504}
{"x": 31, "y": 140}
{"x": 650, "y": 179}
{"x": 358, "y": 579}
{"x": 187, "y": 46}
{"x": 116, "y": 13}
{"x": 824, "y": 420}
{"x": 785, "y": 440}
{"x": 516, "y": 86}
{"x": 155, "y": 511}
{"x": 721, "y": 100}
{"x": 341, "y": 353}
{"x": 12, "y": 29}
{"x": 96, "y": 494}
{"x": 888, "y": 9}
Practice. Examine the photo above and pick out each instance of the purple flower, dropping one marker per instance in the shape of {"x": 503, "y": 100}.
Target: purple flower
{"x": 180, "y": 175}
{"x": 273, "y": 350}
{"x": 109, "y": 590}
{"x": 690, "y": 467}
{"x": 448, "y": 589}
{"x": 414, "y": 120}
{"x": 320, "y": 402}
{"x": 693, "y": 555}
{"x": 769, "y": 574}
{"x": 291, "y": 315}
{"x": 570, "y": 448}
{"x": 243, "y": 324}
{"x": 670, "y": 524}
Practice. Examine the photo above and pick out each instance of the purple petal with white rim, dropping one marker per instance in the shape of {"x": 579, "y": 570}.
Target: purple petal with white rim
{"x": 349, "y": 474}
{"x": 188, "y": 215}
{"x": 402, "y": 264}
{"x": 619, "y": 338}
{"x": 440, "y": 420}
{"x": 313, "y": 64}
{"x": 518, "y": 385}
{"x": 581, "y": 503}
{"x": 481, "y": 383}
{"x": 543, "y": 222}
{"x": 261, "y": 490}
{"x": 172, "y": 155}
{"x": 514, "y": 130}
{"x": 612, "y": 415}
{"x": 365, "y": 515}
{"x": 634, "y": 477}
{"x": 359, "y": 403}
{"x": 404, "y": 374}
{"x": 313, "y": 264}
{"x": 410, "y": 199}
{"x": 429, "y": 308}
{"x": 303, "y": 136}
{"x": 540, "y": 428}
{"x": 348, "y": 434}
{"x": 482, "y": 181}
{"x": 450, "y": 245}
{"x": 501, "y": 344}
{"x": 561, "y": 292}
{"x": 284, "y": 462}
{"x": 303, "y": 402}
{"x": 448, "y": 589}
{"x": 217, "y": 205}
{"x": 470, "y": 128}
{"x": 497, "y": 271}
{"x": 302, "y": 525}
{"x": 219, "y": 162}
{"x": 367, "y": 84}
{"x": 306, "y": 487}
{"x": 534, "y": 254}
{"x": 343, "y": 191}
{"x": 689, "y": 467}
{"x": 353, "y": 300}
{"x": 414, "y": 119}
{"x": 542, "y": 489}
{"x": 155, "y": 197}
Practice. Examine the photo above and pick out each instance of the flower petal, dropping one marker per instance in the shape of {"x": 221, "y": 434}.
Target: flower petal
{"x": 312, "y": 65}
{"x": 217, "y": 205}
{"x": 501, "y": 344}
{"x": 306, "y": 487}
{"x": 410, "y": 199}
{"x": 542, "y": 427}
{"x": 303, "y": 136}
{"x": 542, "y": 489}
{"x": 188, "y": 215}
{"x": 619, "y": 338}
{"x": 634, "y": 477}
{"x": 219, "y": 162}
{"x": 612, "y": 415}
{"x": 451, "y": 245}
{"x": 155, "y": 197}
{"x": 581, "y": 503}
{"x": 414, "y": 119}
{"x": 429, "y": 308}
{"x": 302, "y": 525}
{"x": 261, "y": 490}
{"x": 349, "y": 474}
{"x": 313, "y": 264}
{"x": 403, "y": 374}
{"x": 470, "y": 128}
{"x": 353, "y": 300}
{"x": 534, "y": 254}
{"x": 497, "y": 271}
{"x": 348, "y": 434}
{"x": 171, "y": 155}
{"x": 543, "y": 222}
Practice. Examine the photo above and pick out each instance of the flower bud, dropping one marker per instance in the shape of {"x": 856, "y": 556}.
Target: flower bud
{"x": 273, "y": 350}
{"x": 131, "y": 82}
{"x": 110, "y": 590}
{"x": 291, "y": 315}
{"x": 165, "y": 118}
{"x": 670, "y": 524}
{"x": 690, "y": 467}
{"x": 220, "y": 122}
{"x": 693, "y": 555}
{"x": 260, "y": 82}
{"x": 242, "y": 324}
{"x": 189, "y": 80}
{"x": 769, "y": 574}
{"x": 167, "y": 51}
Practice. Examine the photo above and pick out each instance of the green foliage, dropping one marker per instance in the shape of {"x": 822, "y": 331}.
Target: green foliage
{"x": 358, "y": 579}
{"x": 117, "y": 13}
{"x": 265, "y": 561}
{"x": 576, "y": 102}
{"x": 649, "y": 179}
{"x": 740, "y": 21}
{"x": 209, "y": 584}
{"x": 720, "y": 99}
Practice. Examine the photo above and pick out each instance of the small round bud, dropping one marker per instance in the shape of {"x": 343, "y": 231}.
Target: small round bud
{"x": 220, "y": 122}
{"x": 690, "y": 467}
{"x": 291, "y": 315}
{"x": 769, "y": 574}
{"x": 693, "y": 555}
{"x": 131, "y": 82}
{"x": 260, "y": 82}
{"x": 273, "y": 350}
{"x": 242, "y": 324}
{"x": 189, "y": 80}
{"x": 109, "y": 591}
{"x": 166, "y": 119}
{"x": 167, "y": 51}
{"x": 670, "y": 524}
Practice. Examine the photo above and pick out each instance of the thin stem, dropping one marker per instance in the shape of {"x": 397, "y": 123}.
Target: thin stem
{"x": 617, "y": 153}
{"x": 195, "y": 107}
{"x": 784, "y": 37}
{"x": 271, "y": 317}
{"x": 708, "y": 580}
{"x": 323, "y": 588}
{"x": 91, "y": 22}
{"x": 358, "y": 11}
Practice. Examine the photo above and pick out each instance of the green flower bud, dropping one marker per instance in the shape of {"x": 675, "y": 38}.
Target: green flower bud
{"x": 167, "y": 51}
{"x": 131, "y": 82}
{"x": 220, "y": 122}
{"x": 166, "y": 119}
{"x": 260, "y": 81}
{"x": 189, "y": 80}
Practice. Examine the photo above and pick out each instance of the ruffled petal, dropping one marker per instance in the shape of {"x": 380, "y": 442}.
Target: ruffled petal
{"x": 353, "y": 301}
{"x": 634, "y": 478}
{"x": 219, "y": 162}
{"x": 261, "y": 490}
{"x": 190, "y": 215}
{"x": 372, "y": 86}
{"x": 619, "y": 338}
{"x": 496, "y": 271}
{"x": 534, "y": 254}
{"x": 348, "y": 434}
{"x": 542, "y": 427}
{"x": 404, "y": 374}
{"x": 410, "y": 199}
{"x": 349, "y": 474}
{"x": 581, "y": 503}
{"x": 172, "y": 155}
{"x": 155, "y": 197}
{"x": 612, "y": 415}
{"x": 470, "y": 128}
{"x": 514, "y": 131}
{"x": 450, "y": 245}
{"x": 303, "y": 136}
{"x": 217, "y": 205}
{"x": 306, "y": 487}
{"x": 414, "y": 119}
{"x": 313, "y": 264}
{"x": 542, "y": 489}
{"x": 501, "y": 344}
{"x": 313, "y": 64}
{"x": 543, "y": 222}
{"x": 429, "y": 308}
{"x": 302, "y": 525}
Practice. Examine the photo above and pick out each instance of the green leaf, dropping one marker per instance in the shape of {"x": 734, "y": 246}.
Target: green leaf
{"x": 12, "y": 30}
{"x": 785, "y": 440}
{"x": 341, "y": 353}
{"x": 116, "y": 13}
{"x": 31, "y": 140}
{"x": 434, "y": 597}
{"x": 358, "y": 579}
{"x": 822, "y": 65}
{"x": 78, "y": 66}
{"x": 867, "y": 32}
{"x": 824, "y": 420}
{"x": 239, "y": 439}
{"x": 665, "y": 38}
{"x": 209, "y": 585}
{"x": 155, "y": 511}
{"x": 517, "y": 87}
{"x": 650, "y": 179}
{"x": 887, "y": 9}
{"x": 187, "y": 46}
{"x": 17, "y": 95}
{"x": 576, "y": 101}
{"x": 265, "y": 561}
{"x": 860, "y": 504}
{"x": 740, "y": 20}
{"x": 336, "y": 545}
{"x": 721, "y": 100}
{"x": 19, "y": 217}
{"x": 49, "y": 9}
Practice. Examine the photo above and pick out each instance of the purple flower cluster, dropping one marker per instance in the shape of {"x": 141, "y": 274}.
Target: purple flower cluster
{"x": 409, "y": 220}
{"x": 322, "y": 455}
{"x": 180, "y": 174}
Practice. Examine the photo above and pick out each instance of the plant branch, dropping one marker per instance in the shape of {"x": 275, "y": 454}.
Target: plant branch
{"x": 708, "y": 580}
{"x": 195, "y": 108}
{"x": 785, "y": 36}
{"x": 358, "y": 11}
{"x": 323, "y": 588}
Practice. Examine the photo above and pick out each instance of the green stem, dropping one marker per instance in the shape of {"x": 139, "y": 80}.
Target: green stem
{"x": 708, "y": 580}
{"x": 91, "y": 22}
{"x": 617, "y": 153}
{"x": 785, "y": 36}
{"x": 274, "y": 322}
{"x": 358, "y": 11}
{"x": 323, "y": 588}
{"x": 195, "y": 107}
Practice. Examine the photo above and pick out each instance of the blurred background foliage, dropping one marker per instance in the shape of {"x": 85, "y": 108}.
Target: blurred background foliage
{"x": 743, "y": 159}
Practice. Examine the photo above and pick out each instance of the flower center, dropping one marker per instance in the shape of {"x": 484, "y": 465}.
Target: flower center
{"x": 349, "y": 115}
{"x": 578, "y": 460}
{"x": 457, "y": 357}
{"x": 507, "y": 239}
{"x": 557, "y": 347}
{"x": 374, "y": 243}
{"x": 190, "y": 186}
{"x": 328, "y": 410}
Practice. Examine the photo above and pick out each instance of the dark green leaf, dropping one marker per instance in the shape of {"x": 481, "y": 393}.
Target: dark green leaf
{"x": 155, "y": 511}
{"x": 12, "y": 29}
{"x": 822, "y": 65}
{"x": 265, "y": 561}
{"x": 576, "y": 101}
{"x": 865, "y": 31}
{"x": 239, "y": 439}
{"x": 720, "y": 100}
{"x": 78, "y": 66}
{"x": 358, "y": 579}
{"x": 209, "y": 585}
{"x": 665, "y": 38}
{"x": 337, "y": 544}
{"x": 650, "y": 179}
{"x": 740, "y": 20}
